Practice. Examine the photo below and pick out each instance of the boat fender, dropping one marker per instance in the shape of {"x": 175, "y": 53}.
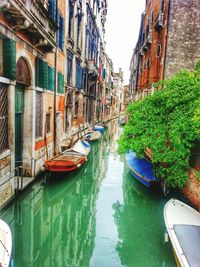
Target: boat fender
{"x": 166, "y": 237}
{"x": 78, "y": 165}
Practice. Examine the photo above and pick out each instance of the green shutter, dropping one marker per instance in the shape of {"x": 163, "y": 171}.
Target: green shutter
{"x": 50, "y": 78}
{"x": 42, "y": 73}
{"x": 60, "y": 83}
{"x": 9, "y": 58}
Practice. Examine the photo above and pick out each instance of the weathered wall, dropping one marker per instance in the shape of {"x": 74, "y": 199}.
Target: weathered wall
{"x": 183, "y": 44}
{"x": 192, "y": 190}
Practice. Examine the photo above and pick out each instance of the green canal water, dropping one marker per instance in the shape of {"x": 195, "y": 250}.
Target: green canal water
{"x": 97, "y": 217}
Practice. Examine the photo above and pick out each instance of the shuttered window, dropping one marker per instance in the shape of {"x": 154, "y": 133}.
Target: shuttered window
{"x": 79, "y": 75}
{"x": 53, "y": 10}
{"x": 60, "y": 83}
{"x": 61, "y": 32}
{"x": 3, "y": 117}
{"x": 38, "y": 115}
{"x": 50, "y": 78}
{"x": 41, "y": 73}
{"x": 9, "y": 59}
{"x": 69, "y": 67}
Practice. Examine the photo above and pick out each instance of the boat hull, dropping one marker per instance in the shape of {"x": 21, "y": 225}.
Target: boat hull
{"x": 183, "y": 227}
{"x": 94, "y": 136}
{"x": 65, "y": 162}
{"x": 6, "y": 239}
{"x": 141, "y": 169}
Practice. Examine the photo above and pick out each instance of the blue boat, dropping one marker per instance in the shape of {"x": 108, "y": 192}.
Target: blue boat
{"x": 141, "y": 169}
{"x": 99, "y": 128}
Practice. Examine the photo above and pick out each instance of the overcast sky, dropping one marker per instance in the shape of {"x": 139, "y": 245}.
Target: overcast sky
{"x": 122, "y": 28}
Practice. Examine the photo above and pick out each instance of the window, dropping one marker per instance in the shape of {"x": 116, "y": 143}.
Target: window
{"x": 52, "y": 9}
{"x": 76, "y": 106}
{"x": 3, "y": 117}
{"x": 79, "y": 75}
{"x": 38, "y": 115}
{"x": 69, "y": 67}
{"x": 48, "y": 122}
{"x": 71, "y": 19}
{"x": 61, "y": 32}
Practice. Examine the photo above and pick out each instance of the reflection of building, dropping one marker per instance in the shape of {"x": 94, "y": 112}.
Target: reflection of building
{"x": 168, "y": 41}
{"x": 55, "y": 225}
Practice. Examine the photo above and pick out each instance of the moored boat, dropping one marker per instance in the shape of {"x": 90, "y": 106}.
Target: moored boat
{"x": 93, "y": 136}
{"x": 82, "y": 147}
{"x": 65, "y": 162}
{"x": 6, "y": 244}
{"x": 183, "y": 227}
{"x": 99, "y": 128}
{"x": 141, "y": 169}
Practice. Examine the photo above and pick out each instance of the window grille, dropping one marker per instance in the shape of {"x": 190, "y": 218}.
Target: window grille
{"x": 38, "y": 115}
{"x": 48, "y": 122}
{"x": 3, "y": 117}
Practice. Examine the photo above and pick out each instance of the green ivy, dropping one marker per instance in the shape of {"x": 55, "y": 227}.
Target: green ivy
{"x": 198, "y": 175}
{"x": 167, "y": 122}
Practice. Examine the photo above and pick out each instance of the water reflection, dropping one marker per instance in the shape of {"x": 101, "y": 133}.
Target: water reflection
{"x": 54, "y": 224}
{"x": 98, "y": 216}
{"x": 140, "y": 226}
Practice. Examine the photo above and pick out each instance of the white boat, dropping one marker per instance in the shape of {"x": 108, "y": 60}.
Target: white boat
{"x": 81, "y": 146}
{"x": 93, "y": 136}
{"x": 5, "y": 244}
{"x": 183, "y": 228}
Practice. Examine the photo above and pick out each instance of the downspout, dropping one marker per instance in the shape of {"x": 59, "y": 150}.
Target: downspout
{"x": 54, "y": 100}
{"x": 166, "y": 39}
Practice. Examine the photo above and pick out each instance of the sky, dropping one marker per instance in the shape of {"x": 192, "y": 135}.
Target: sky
{"x": 122, "y": 29}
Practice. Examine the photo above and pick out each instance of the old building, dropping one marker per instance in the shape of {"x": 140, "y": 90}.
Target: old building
{"x": 52, "y": 62}
{"x": 168, "y": 41}
{"x": 118, "y": 92}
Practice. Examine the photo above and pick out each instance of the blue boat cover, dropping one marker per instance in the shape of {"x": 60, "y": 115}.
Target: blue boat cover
{"x": 141, "y": 167}
{"x": 189, "y": 239}
{"x": 85, "y": 144}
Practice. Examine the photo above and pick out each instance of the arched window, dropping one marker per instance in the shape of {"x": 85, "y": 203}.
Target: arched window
{"x": 23, "y": 72}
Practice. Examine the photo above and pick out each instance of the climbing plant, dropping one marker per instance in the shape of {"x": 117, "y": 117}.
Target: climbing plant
{"x": 168, "y": 123}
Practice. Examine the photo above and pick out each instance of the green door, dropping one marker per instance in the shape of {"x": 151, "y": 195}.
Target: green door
{"x": 19, "y": 110}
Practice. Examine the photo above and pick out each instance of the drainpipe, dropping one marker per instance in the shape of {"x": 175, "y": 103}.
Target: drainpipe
{"x": 166, "y": 38}
{"x": 54, "y": 100}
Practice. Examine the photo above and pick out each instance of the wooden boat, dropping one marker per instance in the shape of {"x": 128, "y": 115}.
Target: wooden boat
{"x": 93, "y": 136}
{"x": 6, "y": 244}
{"x": 82, "y": 147}
{"x": 141, "y": 169}
{"x": 183, "y": 227}
{"x": 65, "y": 162}
{"x": 99, "y": 128}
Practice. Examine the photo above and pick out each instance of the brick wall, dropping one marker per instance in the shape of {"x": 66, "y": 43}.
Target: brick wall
{"x": 183, "y": 44}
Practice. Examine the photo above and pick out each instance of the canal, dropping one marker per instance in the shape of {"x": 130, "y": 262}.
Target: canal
{"x": 97, "y": 217}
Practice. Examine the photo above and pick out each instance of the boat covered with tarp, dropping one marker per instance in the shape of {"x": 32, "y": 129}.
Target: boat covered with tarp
{"x": 141, "y": 169}
{"x": 183, "y": 227}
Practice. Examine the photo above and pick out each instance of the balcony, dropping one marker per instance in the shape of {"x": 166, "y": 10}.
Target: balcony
{"x": 159, "y": 22}
{"x": 33, "y": 18}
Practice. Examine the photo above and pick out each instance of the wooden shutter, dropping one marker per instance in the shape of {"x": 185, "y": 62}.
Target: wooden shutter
{"x": 61, "y": 33}
{"x": 50, "y": 78}
{"x": 9, "y": 58}
{"x": 42, "y": 73}
{"x": 60, "y": 83}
